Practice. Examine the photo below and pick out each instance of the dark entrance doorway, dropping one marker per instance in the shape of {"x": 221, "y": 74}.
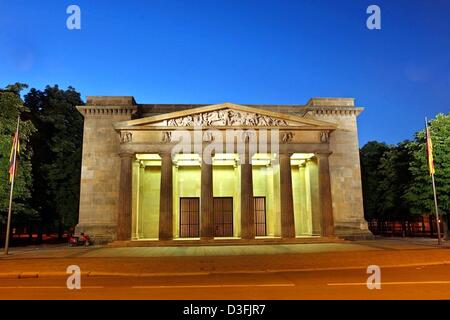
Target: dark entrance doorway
{"x": 223, "y": 217}
{"x": 189, "y": 217}
{"x": 260, "y": 215}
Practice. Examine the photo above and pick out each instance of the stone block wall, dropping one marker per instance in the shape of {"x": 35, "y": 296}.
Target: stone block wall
{"x": 100, "y": 171}
{"x": 345, "y": 171}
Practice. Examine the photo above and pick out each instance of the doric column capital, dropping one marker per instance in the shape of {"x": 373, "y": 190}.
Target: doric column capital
{"x": 126, "y": 155}
{"x": 286, "y": 154}
{"x": 165, "y": 155}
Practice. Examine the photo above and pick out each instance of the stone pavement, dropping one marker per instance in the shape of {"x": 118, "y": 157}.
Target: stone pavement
{"x": 63, "y": 251}
{"x": 140, "y": 261}
{"x": 114, "y": 252}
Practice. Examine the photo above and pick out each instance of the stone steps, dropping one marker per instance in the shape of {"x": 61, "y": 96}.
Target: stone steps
{"x": 224, "y": 242}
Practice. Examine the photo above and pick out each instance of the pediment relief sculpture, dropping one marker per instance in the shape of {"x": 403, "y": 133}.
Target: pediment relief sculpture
{"x": 226, "y": 117}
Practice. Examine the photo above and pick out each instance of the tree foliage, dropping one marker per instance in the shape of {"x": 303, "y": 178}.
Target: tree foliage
{"x": 370, "y": 155}
{"x": 420, "y": 193}
{"x": 11, "y": 107}
{"x": 396, "y": 182}
{"x": 57, "y": 157}
{"x": 394, "y": 179}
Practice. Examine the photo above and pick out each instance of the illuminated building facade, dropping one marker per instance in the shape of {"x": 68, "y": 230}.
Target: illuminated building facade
{"x": 222, "y": 173}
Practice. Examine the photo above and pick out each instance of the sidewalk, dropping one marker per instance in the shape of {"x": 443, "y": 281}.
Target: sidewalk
{"x": 155, "y": 261}
{"x": 64, "y": 251}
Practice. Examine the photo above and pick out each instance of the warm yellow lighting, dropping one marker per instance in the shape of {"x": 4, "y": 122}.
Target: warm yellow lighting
{"x": 225, "y": 159}
{"x": 225, "y": 156}
{"x": 295, "y": 162}
{"x": 148, "y": 156}
{"x": 263, "y": 159}
{"x": 149, "y": 159}
{"x": 224, "y": 162}
{"x": 187, "y": 159}
{"x": 150, "y": 163}
{"x": 260, "y": 162}
{"x": 187, "y": 156}
{"x": 302, "y": 156}
{"x": 260, "y": 156}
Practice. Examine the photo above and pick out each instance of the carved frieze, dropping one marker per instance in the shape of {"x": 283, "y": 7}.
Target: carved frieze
{"x": 324, "y": 136}
{"x": 166, "y": 137}
{"x": 208, "y": 137}
{"x": 226, "y": 117}
{"x": 125, "y": 137}
{"x": 287, "y": 137}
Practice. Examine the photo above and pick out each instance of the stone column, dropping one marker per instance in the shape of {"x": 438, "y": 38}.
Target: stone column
{"x": 125, "y": 195}
{"x": 247, "y": 202}
{"x": 325, "y": 194}
{"x": 206, "y": 198}
{"x": 287, "y": 200}
{"x": 166, "y": 198}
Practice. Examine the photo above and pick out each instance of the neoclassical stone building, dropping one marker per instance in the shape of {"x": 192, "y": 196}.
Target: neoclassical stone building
{"x": 158, "y": 173}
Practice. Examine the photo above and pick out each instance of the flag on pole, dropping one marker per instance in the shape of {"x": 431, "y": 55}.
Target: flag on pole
{"x": 12, "y": 173}
{"x": 13, "y": 162}
{"x": 429, "y": 151}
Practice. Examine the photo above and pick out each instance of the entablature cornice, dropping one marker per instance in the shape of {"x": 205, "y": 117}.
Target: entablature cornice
{"x": 173, "y": 128}
{"x": 317, "y": 148}
{"x": 106, "y": 110}
{"x": 340, "y": 111}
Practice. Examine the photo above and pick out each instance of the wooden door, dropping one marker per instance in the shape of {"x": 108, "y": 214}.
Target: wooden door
{"x": 223, "y": 216}
{"x": 189, "y": 218}
{"x": 260, "y": 215}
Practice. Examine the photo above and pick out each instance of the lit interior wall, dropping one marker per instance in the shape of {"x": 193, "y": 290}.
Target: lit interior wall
{"x": 313, "y": 171}
{"x": 275, "y": 214}
{"x": 186, "y": 183}
{"x": 266, "y": 183}
{"x": 135, "y": 200}
{"x": 306, "y": 197}
{"x": 146, "y": 181}
{"x": 226, "y": 183}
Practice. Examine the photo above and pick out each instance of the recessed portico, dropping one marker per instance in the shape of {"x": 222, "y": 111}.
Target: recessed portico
{"x": 223, "y": 172}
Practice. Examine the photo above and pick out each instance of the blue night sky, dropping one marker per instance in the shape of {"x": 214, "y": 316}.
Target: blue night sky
{"x": 243, "y": 51}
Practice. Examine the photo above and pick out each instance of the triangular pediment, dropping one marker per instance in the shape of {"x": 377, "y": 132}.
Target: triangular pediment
{"x": 225, "y": 115}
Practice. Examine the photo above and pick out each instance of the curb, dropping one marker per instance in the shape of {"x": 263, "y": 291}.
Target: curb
{"x": 36, "y": 275}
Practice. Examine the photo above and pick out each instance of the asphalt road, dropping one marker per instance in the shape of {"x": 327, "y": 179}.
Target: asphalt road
{"x": 427, "y": 282}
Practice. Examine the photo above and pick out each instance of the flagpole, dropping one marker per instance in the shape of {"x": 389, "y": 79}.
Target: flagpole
{"x": 437, "y": 211}
{"x": 434, "y": 185}
{"x": 8, "y": 226}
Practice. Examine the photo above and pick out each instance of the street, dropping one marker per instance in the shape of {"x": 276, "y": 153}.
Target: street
{"x": 429, "y": 282}
{"x": 410, "y": 269}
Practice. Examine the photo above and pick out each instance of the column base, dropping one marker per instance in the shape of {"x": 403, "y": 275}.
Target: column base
{"x": 352, "y": 230}
{"x": 99, "y": 233}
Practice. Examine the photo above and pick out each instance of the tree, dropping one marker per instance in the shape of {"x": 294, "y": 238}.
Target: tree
{"x": 11, "y": 107}
{"x": 57, "y": 157}
{"x": 370, "y": 156}
{"x": 394, "y": 178}
{"x": 420, "y": 193}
